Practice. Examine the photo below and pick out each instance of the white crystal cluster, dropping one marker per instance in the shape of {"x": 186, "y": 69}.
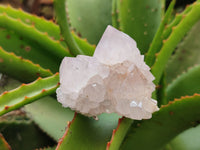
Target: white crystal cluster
{"x": 115, "y": 79}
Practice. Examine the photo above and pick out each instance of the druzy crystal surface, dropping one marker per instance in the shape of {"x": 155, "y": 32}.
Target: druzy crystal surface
{"x": 115, "y": 80}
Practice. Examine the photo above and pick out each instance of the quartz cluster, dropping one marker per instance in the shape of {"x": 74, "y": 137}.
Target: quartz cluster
{"x": 115, "y": 80}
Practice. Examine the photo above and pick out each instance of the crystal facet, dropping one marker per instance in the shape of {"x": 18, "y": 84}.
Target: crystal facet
{"x": 116, "y": 79}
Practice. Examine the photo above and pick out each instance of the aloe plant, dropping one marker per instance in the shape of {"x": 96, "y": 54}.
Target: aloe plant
{"x": 31, "y": 50}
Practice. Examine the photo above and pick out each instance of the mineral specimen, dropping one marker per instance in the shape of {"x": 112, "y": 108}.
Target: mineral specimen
{"x": 115, "y": 80}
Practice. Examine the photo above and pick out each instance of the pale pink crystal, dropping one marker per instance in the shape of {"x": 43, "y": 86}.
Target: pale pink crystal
{"x": 116, "y": 79}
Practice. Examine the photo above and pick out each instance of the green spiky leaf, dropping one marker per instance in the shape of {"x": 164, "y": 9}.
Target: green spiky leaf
{"x": 34, "y": 50}
{"x": 62, "y": 20}
{"x": 45, "y": 111}
{"x": 41, "y": 112}
{"x": 30, "y": 32}
{"x": 40, "y": 23}
{"x": 185, "y": 84}
{"x": 177, "y": 34}
{"x": 28, "y": 93}
{"x": 187, "y": 54}
{"x": 92, "y": 134}
{"x": 24, "y": 70}
{"x": 158, "y": 39}
{"x": 119, "y": 133}
{"x": 21, "y": 46}
{"x": 84, "y": 45}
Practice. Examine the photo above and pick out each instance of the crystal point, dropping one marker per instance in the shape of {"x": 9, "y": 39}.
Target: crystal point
{"x": 116, "y": 79}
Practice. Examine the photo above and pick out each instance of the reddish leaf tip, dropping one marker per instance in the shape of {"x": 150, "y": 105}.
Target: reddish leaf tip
{"x": 66, "y": 132}
{"x": 23, "y": 84}
{"x": 6, "y": 92}
{"x": 6, "y": 107}
{"x": 43, "y": 90}
{"x": 108, "y": 145}
{"x": 113, "y": 133}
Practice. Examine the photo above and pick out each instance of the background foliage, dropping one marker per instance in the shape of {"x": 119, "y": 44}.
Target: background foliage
{"x": 32, "y": 47}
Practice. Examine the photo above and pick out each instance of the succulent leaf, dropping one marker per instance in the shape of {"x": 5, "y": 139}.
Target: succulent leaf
{"x": 25, "y": 70}
{"x": 175, "y": 22}
{"x": 44, "y": 26}
{"x": 186, "y": 84}
{"x": 119, "y": 133}
{"x": 84, "y": 45}
{"x": 186, "y": 55}
{"x": 40, "y": 23}
{"x": 62, "y": 20}
{"x": 27, "y": 93}
{"x": 44, "y": 110}
{"x": 41, "y": 112}
{"x": 169, "y": 45}
{"x": 30, "y": 32}
{"x": 21, "y": 46}
{"x": 157, "y": 40}
{"x": 92, "y": 134}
